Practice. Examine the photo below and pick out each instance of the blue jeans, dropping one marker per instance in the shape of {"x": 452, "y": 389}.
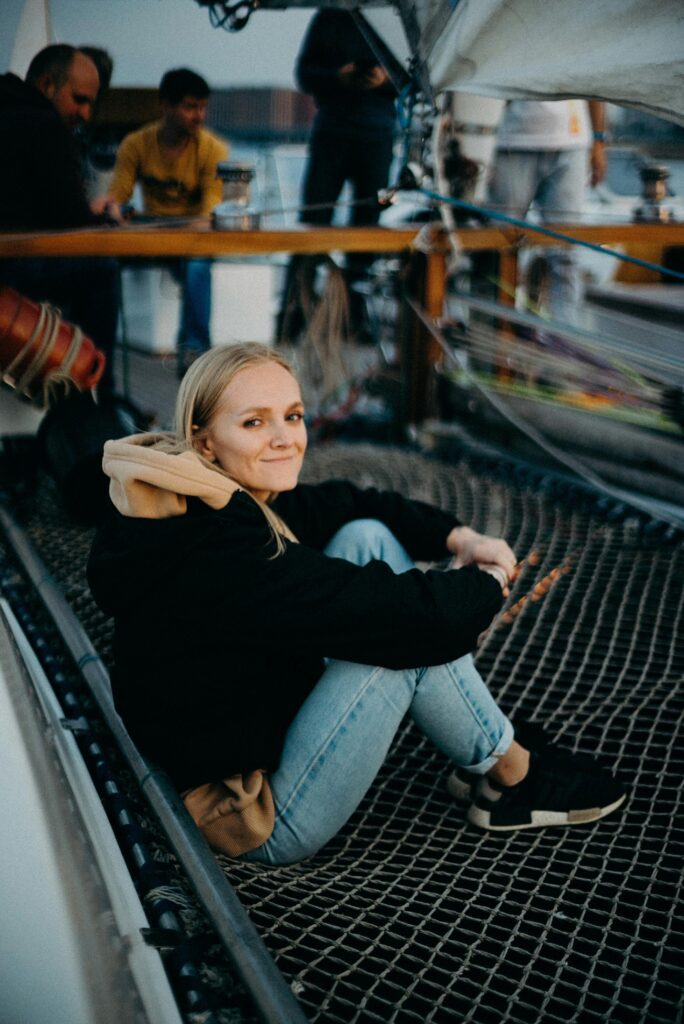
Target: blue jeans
{"x": 194, "y": 277}
{"x": 343, "y": 731}
{"x": 556, "y": 181}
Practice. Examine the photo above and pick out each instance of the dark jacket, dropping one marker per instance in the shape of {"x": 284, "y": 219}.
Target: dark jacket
{"x": 217, "y": 643}
{"x": 332, "y": 41}
{"x": 41, "y": 185}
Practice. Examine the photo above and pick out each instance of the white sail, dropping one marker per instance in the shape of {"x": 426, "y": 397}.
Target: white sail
{"x": 33, "y": 32}
{"x": 626, "y": 51}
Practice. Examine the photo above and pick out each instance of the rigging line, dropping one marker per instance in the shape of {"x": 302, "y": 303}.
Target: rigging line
{"x": 577, "y": 467}
{"x": 596, "y": 343}
{"x": 570, "y": 362}
{"x": 647, "y": 374}
{"x": 341, "y": 204}
{"x": 620, "y": 385}
{"x": 652, "y": 378}
{"x": 535, "y": 309}
{"x": 419, "y": 70}
{"x": 613, "y": 399}
{"x": 172, "y": 223}
{"x": 576, "y": 393}
{"x": 485, "y": 343}
{"x": 613, "y": 361}
{"x": 527, "y": 225}
{"x": 617, "y": 318}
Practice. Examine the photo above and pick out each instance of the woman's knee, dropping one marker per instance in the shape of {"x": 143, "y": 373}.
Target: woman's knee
{"x": 362, "y": 533}
{"x": 367, "y": 540}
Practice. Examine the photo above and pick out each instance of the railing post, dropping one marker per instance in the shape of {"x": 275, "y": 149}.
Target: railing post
{"x": 424, "y": 282}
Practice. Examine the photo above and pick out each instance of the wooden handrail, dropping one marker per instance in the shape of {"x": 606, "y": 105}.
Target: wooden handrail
{"x": 199, "y": 239}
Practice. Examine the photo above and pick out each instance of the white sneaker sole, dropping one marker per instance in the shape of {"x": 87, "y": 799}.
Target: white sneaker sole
{"x": 464, "y": 792}
{"x": 541, "y": 819}
{"x": 460, "y": 790}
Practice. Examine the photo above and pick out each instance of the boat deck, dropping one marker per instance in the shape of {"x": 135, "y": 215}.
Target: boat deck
{"x": 409, "y": 914}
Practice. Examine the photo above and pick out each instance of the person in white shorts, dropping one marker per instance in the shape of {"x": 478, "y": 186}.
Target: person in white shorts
{"x": 546, "y": 154}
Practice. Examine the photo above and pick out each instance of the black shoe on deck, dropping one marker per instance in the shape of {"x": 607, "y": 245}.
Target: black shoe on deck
{"x": 463, "y": 785}
{"x": 559, "y": 789}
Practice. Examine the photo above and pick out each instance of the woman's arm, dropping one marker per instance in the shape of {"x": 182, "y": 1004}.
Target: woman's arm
{"x": 215, "y": 571}
{"x": 303, "y": 602}
{"x": 315, "y": 512}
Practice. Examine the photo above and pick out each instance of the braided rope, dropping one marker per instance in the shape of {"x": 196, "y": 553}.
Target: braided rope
{"x": 61, "y": 376}
{"x": 45, "y": 332}
{"x": 38, "y": 329}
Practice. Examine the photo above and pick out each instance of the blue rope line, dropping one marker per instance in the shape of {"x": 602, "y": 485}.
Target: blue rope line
{"x": 527, "y": 226}
{"x": 404, "y": 108}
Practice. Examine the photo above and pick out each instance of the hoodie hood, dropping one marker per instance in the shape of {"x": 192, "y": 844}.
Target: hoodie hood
{"x": 149, "y": 483}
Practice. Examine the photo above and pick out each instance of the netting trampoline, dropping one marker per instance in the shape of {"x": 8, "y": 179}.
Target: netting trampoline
{"x": 410, "y": 914}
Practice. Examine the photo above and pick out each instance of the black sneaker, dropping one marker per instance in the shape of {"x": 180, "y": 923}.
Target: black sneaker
{"x": 463, "y": 785}
{"x": 559, "y": 789}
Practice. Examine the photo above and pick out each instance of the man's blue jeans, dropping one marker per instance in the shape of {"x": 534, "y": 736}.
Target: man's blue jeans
{"x": 343, "y": 731}
{"x": 194, "y": 277}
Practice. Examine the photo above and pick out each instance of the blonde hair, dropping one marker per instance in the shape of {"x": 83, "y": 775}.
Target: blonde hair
{"x": 198, "y": 400}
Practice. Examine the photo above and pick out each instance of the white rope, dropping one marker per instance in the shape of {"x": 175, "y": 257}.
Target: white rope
{"x": 45, "y": 333}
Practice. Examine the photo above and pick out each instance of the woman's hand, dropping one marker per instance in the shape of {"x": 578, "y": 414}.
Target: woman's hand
{"x": 489, "y": 553}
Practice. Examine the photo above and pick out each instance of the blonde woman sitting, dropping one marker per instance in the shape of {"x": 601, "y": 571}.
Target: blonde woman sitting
{"x": 270, "y": 636}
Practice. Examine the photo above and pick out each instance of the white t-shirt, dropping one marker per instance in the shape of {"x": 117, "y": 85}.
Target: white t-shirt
{"x": 542, "y": 124}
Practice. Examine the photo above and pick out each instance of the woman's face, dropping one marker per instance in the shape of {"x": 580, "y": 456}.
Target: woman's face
{"x": 257, "y": 434}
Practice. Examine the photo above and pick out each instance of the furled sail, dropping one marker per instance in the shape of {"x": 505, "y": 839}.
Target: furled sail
{"x": 625, "y": 51}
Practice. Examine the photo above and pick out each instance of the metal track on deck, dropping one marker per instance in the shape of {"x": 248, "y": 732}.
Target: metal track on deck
{"x": 410, "y": 914}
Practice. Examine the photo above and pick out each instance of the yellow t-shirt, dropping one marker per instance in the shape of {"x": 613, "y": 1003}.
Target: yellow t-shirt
{"x": 184, "y": 186}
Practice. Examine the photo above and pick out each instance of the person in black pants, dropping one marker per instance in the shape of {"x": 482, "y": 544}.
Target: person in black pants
{"x": 353, "y": 131}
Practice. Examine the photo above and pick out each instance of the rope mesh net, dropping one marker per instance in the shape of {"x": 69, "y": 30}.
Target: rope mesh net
{"x": 410, "y": 914}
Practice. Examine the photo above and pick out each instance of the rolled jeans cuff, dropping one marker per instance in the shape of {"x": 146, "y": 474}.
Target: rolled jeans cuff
{"x": 499, "y": 750}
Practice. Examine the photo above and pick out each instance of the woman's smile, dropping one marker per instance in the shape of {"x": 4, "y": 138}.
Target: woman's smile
{"x": 258, "y": 435}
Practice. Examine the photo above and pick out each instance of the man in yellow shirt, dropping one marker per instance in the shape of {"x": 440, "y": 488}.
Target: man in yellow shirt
{"x": 175, "y": 159}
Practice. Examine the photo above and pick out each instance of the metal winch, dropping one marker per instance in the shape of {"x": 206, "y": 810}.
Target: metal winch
{"x": 234, "y": 212}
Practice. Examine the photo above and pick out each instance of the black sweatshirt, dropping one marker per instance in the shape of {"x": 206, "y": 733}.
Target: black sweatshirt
{"x": 41, "y": 186}
{"x": 218, "y": 643}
